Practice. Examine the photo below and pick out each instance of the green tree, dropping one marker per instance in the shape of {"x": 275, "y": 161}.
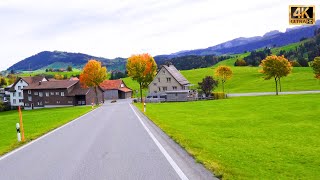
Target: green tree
{"x": 316, "y": 67}
{"x": 69, "y": 68}
{"x": 275, "y": 67}
{"x": 142, "y": 68}
{"x": 224, "y": 73}
{"x": 3, "y": 82}
{"x": 207, "y": 85}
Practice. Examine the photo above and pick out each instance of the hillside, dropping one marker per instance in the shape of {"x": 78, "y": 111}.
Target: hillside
{"x": 239, "y": 45}
{"x": 58, "y": 59}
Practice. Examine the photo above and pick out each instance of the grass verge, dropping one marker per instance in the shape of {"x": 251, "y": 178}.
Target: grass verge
{"x": 36, "y": 123}
{"x": 266, "y": 137}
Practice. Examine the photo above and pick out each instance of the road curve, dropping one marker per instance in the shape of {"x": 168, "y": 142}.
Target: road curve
{"x": 113, "y": 142}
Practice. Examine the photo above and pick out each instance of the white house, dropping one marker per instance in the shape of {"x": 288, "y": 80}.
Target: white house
{"x": 16, "y": 90}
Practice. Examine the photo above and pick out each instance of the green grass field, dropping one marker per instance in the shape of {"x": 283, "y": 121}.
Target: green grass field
{"x": 249, "y": 79}
{"x": 36, "y": 123}
{"x": 266, "y": 137}
{"x": 34, "y": 73}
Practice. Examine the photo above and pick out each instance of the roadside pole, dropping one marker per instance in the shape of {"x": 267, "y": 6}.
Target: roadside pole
{"x": 21, "y": 123}
{"x": 18, "y": 132}
{"x": 144, "y": 107}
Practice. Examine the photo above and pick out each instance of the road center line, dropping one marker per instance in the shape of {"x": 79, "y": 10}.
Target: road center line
{"x": 163, "y": 151}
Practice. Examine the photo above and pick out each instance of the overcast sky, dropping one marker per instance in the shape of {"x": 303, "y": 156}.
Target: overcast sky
{"x": 125, "y": 27}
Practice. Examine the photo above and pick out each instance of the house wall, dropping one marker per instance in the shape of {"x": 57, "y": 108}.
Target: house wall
{"x": 111, "y": 94}
{"x": 91, "y": 95}
{"x": 128, "y": 95}
{"x": 156, "y": 87}
{"x": 177, "y": 96}
{"x": 16, "y": 98}
{"x": 53, "y": 99}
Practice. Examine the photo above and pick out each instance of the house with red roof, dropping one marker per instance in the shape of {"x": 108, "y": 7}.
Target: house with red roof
{"x": 115, "y": 89}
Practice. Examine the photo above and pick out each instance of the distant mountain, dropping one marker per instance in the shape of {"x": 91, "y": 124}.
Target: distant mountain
{"x": 58, "y": 59}
{"x": 239, "y": 45}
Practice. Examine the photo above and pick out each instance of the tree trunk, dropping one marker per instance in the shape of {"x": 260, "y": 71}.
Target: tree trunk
{"x": 140, "y": 91}
{"x": 96, "y": 92}
{"x": 275, "y": 79}
{"x": 222, "y": 86}
{"x": 280, "y": 85}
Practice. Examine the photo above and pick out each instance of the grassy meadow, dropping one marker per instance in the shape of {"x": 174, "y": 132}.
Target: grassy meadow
{"x": 248, "y": 79}
{"x": 36, "y": 123}
{"x": 266, "y": 137}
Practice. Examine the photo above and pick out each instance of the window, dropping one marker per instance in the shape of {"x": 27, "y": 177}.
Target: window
{"x": 57, "y": 93}
{"x": 163, "y": 71}
{"x": 14, "y": 94}
{"x": 29, "y": 98}
{"x": 155, "y": 91}
{"x": 158, "y": 79}
{"x": 20, "y": 80}
{"x": 26, "y": 104}
{"x": 19, "y": 87}
{"x": 159, "y": 89}
{"x": 47, "y": 94}
{"x": 36, "y": 93}
{"x": 20, "y": 94}
{"x": 122, "y": 85}
{"x": 20, "y": 100}
{"x": 14, "y": 101}
{"x": 29, "y": 91}
{"x": 176, "y": 94}
{"x": 174, "y": 87}
{"x": 39, "y": 103}
{"x": 58, "y": 102}
{"x": 51, "y": 93}
{"x": 40, "y": 94}
{"x": 154, "y": 84}
{"x": 62, "y": 93}
{"x": 70, "y": 102}
{"x": 169, "y": 80}
{"x": 46, "y": 102}
{"x": 164, "y": 88}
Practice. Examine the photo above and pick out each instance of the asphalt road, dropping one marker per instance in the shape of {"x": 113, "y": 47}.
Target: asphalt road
{"x": 113, "y": 142}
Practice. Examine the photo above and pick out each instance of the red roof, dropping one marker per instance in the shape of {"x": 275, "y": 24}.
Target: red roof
{"x": 114, "y": 85}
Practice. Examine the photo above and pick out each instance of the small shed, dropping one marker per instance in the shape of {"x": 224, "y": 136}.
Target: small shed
{"x": 181, "y": 95}
{"x": 115, "y": 89}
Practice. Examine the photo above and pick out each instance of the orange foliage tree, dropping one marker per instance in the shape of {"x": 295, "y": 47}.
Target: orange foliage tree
{"x": 92, "y": 75}
{"x": 275, "y": 67}
{"x": 224, "y": 73}
{"x": 142, "y": 68}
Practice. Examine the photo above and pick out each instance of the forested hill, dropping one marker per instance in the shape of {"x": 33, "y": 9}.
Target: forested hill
{"x": 58, "y": 59}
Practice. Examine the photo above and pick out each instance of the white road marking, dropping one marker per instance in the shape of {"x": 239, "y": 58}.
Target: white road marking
{"x": 164, "y": 152}
{"x": 33, "y": 141}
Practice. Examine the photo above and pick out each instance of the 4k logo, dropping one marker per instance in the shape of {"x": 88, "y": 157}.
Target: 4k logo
{"x": 299, "y": 14}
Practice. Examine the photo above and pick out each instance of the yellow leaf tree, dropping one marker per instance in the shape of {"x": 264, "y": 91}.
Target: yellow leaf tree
{"x": 316, "y": 67}
{"x": 92, "y": 75}
{"x": 142, "y": 68}
{"x": 224, "y": 73}
{"x": 275, "y": 67}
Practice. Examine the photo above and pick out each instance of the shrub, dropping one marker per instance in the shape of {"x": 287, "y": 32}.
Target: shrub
{"x": 295, "y": 64}
{"x": 219, "y": 95}
{"x": 240, "y": 62}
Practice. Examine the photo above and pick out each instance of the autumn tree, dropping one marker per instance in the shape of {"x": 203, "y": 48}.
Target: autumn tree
{"x": 316, "y": 67}
{"x": 275, "y": 67}
{"x": 92, "y": 75}
{"x": 207, "y": 85}
{"x": 3, "y": 82}
{"x": 58, "y": 76}
{"x": 142, "y": 68}
{"x": 224, "y": 73}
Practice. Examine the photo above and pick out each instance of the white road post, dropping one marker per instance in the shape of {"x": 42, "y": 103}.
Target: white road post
{"x": 18, "y": 132}
{"x": 144, "y": 107}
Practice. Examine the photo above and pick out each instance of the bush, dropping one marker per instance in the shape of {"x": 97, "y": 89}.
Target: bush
{"x": 240, "y": 62}
{"x": 4, "y": 106}
{"x": 295, "y": 64}
{"x": 218, "y": 95}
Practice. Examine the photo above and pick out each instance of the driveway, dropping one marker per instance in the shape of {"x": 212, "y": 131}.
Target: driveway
{"x": 114, "y": 141}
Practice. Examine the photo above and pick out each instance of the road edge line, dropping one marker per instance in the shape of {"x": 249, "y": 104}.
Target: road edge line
{"x": 163, "y": 151}
{"x": 43, "y": 136}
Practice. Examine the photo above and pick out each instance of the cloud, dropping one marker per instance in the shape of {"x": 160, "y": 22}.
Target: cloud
{"x": 121, "y": 28}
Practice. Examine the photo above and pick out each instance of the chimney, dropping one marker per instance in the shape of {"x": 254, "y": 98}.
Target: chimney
{"x": 39, "y": 83}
